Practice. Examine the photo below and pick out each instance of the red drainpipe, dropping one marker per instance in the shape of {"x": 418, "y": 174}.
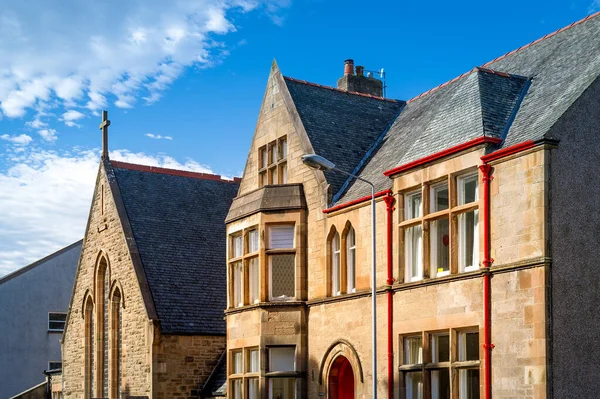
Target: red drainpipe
{"x": 487, "y": 299}
{"x": 389, "y": 202}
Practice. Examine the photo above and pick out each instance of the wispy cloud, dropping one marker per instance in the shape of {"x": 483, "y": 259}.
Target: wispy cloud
{"x": 66, "y": 57}
{"x": 45, "y": 199}
{"x": 48, "y": 134}
{"x": 21, "y": 139}
{"x": 71, "y": 116}
{"x": 158, "y": 136}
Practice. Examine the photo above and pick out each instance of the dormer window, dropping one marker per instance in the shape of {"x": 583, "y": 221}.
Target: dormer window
{"x": 272, "y": 162}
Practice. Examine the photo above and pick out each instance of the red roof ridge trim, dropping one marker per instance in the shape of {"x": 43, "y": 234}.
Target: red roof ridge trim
{"x": 391, "y": 100}
{"x": 543, "y": 38}
{"x": 172, "y": 172}
{"x": 504, "y": 152}
{"x": 355, "y": 202}
{"x": 441, "y": 154}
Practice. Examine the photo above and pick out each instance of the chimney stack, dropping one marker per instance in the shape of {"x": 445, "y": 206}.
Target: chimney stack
{"x": 359, "y": 83}
{"x": 348, "y": 67}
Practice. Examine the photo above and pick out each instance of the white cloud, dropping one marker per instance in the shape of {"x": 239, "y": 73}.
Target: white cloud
{"x": 88, "y": 53}
{"x": 71, "y": 116}
{"x": 45, "y": 199}
{"x": 158, "y": 136}
{"x": 48, "y": 134}
{"x": 21, "y": 139}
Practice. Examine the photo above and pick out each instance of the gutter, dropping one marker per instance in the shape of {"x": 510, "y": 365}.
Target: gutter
{"x": 389, "y": 202}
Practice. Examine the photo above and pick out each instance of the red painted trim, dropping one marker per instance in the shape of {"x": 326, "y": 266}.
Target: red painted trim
{"x": 340, "y": 90}
{"x": 356, "y": 201}
{"x": 172, "y": 172}
{"x": 389, "y": 202}
{"x": 442, "y": 154}
{"x": 504, "y": 152}
{"x": 487, "y": 298}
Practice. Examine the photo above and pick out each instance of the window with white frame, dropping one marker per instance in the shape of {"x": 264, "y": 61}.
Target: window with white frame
{"x": 244, "y": 268}
{"x": 282, "y": 262}
{"x": 436, "y": 215}
{"x": 413, "y": 244}
{"x": 350, "y": 260}
{"x": 336, "y": 264}
{"x": 56, "y": 321}
{"x": 282, "y": 360}
{"x": 427, "y": 370}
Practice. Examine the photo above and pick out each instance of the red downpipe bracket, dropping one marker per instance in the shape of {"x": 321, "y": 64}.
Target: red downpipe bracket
{"x": 487, "y": 299}
{"x": 389, "y": 202}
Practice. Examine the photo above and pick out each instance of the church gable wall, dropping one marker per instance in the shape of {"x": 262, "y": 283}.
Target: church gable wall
{"x": 105, "y": 234}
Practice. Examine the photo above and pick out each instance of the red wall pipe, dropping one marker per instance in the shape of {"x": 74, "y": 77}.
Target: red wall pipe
{"x": 389, "y": 202}
{"x": 487, "y": 262}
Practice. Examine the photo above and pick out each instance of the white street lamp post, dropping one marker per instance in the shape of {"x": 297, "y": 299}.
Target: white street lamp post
{"x": 320, "y": 163}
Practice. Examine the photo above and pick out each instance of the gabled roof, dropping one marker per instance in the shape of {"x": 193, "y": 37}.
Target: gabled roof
{"x": 341, "y": 126}
{"x": 517, "y": 97}
{"x": 177, "y": 220}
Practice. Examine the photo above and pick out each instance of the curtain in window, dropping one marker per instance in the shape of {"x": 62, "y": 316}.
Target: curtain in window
{"x": 468, "y": 241}
{"x": 414, "y": 252}
{"x": 283, "y": 276}
{"x": 351, "y": 260}
{"x": 281, "y": 236}
{"x": 335, "y": 264}
{"x": 237, "y": 284}
{"x": 253, "y": 278}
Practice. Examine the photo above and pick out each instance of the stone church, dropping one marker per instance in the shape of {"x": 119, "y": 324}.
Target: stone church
{"x": 146, "y": 314}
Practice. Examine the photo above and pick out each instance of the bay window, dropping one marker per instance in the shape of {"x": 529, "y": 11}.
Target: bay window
{"x": 244, "y": 269}
{"x": 282, "y": 361}
{"x": 244, "y": 373}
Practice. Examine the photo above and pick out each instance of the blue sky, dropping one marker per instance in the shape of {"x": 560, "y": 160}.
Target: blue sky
{"x": 183, "y": 82}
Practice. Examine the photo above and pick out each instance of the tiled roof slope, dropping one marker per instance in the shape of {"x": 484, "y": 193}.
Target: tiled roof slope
{"x": 560, "y": 68}
{"x": 178, "y": 225}
{"x": 341, "y": 126}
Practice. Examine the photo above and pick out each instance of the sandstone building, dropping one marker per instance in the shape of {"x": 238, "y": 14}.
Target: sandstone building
{"x": 146, "y": 314}
{"x": 486, "y": 234}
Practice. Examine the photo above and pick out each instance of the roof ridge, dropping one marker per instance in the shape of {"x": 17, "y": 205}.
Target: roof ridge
{"x": 342, "y": 91}
{"x": 173, "y": 172}
{"x": 442, "y": 85}
{"x": 564, "y": 28}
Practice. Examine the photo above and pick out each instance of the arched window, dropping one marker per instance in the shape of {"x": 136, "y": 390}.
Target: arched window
{"x": 336, "y": 265}
{"x": 350, "y": 260}
{"x": 88, "y": 322}
{"x": 101, "y": 328}
{"x": 116, "y": 337}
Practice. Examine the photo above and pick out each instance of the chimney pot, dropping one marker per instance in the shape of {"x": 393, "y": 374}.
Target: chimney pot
{"x": 360, "y": 70}
{"x": 349, "y": 67}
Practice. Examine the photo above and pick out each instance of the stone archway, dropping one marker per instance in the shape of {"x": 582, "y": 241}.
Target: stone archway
{"x": 341, "y": 379}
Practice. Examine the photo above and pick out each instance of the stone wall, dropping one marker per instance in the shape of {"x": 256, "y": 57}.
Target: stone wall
{"x": 104, "y": 234}
{"x": 183, "y": 363}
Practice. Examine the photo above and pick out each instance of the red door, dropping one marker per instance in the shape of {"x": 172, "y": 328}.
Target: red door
{"x": 341, "y": 379}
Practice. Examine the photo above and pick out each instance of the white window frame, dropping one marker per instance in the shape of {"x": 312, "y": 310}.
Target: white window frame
{"x": 432, "y": 201}
{"x": 462, "y": 242}
{"x": 408, "y": 204}
{"x": 409, "y": 250}
{"x": 433, "y": 249}
{"x": 336, "y": 265}
{"x": 57, "y": 321}
{"x": 460, "y": 180}
{"x": 238, "y": 284}
{"x": 351, "y": 260}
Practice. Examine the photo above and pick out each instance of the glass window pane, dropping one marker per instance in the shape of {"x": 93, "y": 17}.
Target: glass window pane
{"x": 439, "y": 197}
{"x": 237, "y": 284}
{"x": 263, "y": 179}
{"x": 252, "y": 241}
{"x": 282, "y": 358}
{"x": 440, "y": 348}
{"x": 253, "y": 388}
{"x": 284, "y": 178}
{"x": 274, "y": 176}
{"x": 413, "y": 253}
{"x": 236, "y": 387}
{"x": 440, "y": 248}
{"x": 238, "y": 246}
{"x": 283, "y": 148}
{"x": 467, "y": 189}
{"x": 282, "y": 388}
{"x": 440, "y": 384}
{"x": 263, "y": 157}
{"x": 253, "y": 278}
{"x": 413, "y": 205}
{"x": 253, "y": 362}
{"x": 468, "y": 384}
{"x": 351, "y": 261}
{"x": 335, "y": 264}
{"x": 414, "y": 385}
{"x": 237, "y": 363}
{"x": 413, "y": 350}
{"x": 282, "y": 276}
{"x": 468, "y": 241}
{"x": 468, "y": 346}
{"x": 281, "y": 236}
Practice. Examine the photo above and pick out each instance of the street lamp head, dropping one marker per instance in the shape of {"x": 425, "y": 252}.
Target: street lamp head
{"x": 317, "y": 162}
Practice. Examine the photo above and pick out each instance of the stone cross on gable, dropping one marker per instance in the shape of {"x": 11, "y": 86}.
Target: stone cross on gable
{"x": 104, "y": 127}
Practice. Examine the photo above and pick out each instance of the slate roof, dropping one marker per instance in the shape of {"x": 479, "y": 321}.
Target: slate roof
{"x": 177, "y": 220}
{"x": 341, "y": 126}
{"x": 517, "y": 97}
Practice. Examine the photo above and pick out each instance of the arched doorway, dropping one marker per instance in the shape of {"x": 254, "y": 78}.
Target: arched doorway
{"x": 341, "y": 379}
